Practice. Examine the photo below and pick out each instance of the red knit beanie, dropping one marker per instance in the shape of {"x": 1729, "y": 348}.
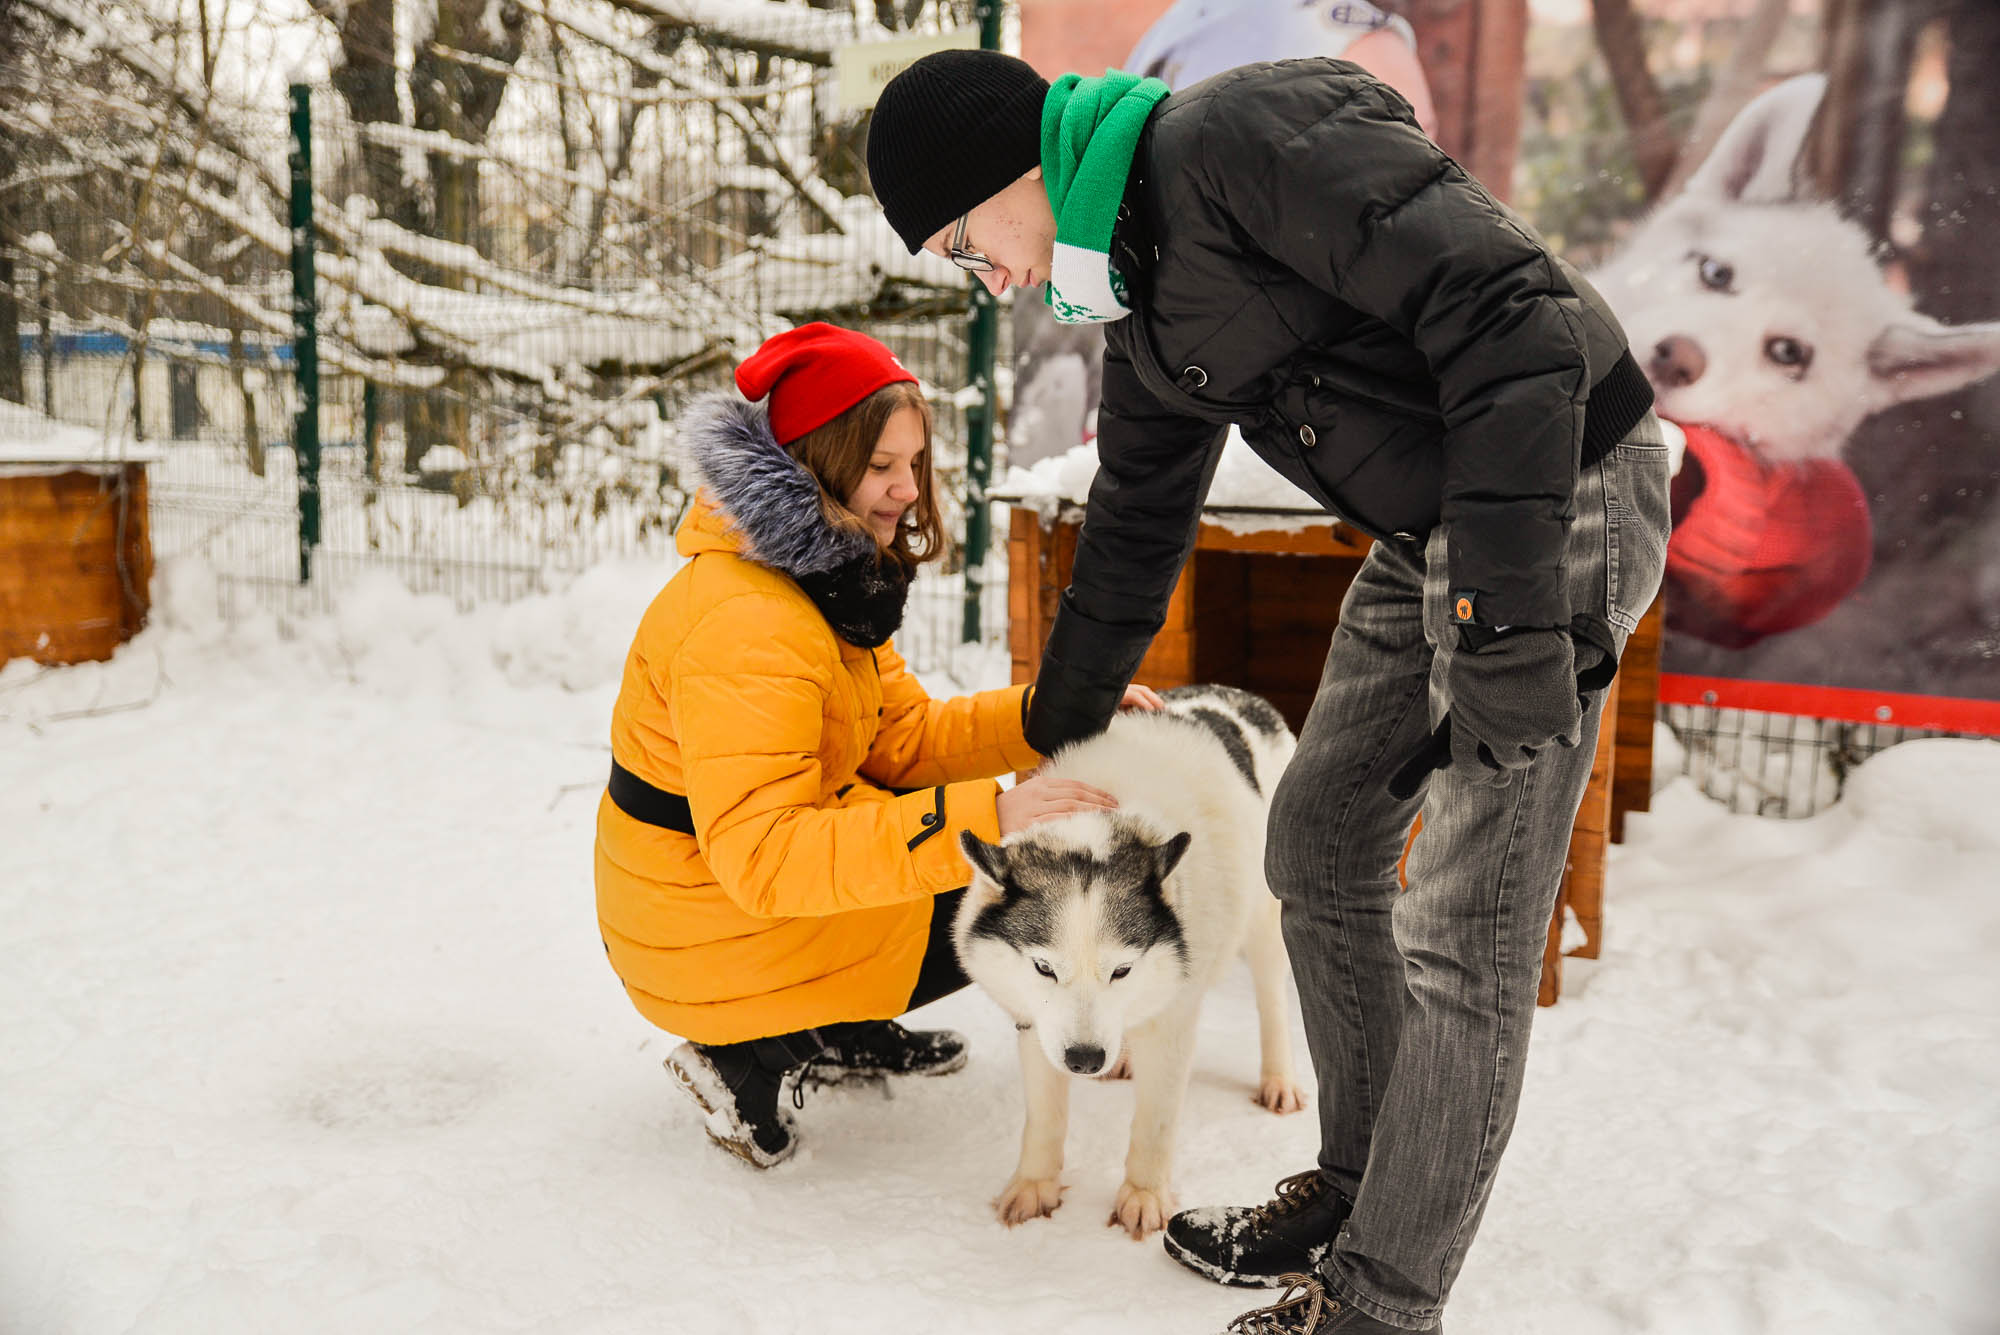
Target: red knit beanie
{"x": 814, "y": 374}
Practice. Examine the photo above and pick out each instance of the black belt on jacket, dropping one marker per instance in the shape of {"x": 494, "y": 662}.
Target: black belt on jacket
{"x": 647, "y": 804}
{"x": 1617, "y": 402}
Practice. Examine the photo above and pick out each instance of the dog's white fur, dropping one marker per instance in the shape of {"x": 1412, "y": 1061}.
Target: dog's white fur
{"x": 1800, "y": 280}
{"x": 1176, "y": 786}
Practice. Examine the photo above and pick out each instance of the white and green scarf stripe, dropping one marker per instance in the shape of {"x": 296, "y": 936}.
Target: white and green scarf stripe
{"x": 1090, "y": 130}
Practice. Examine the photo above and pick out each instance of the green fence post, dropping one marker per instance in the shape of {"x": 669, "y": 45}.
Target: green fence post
{"x": 305, "y": 329}
{"x": 983, "y": 345}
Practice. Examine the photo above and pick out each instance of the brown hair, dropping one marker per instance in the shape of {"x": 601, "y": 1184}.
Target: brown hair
{"x": 837, "y": 456}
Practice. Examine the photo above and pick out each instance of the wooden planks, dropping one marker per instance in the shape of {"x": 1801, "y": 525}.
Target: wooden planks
{"x": 76, "y": 563}
{"x": 1638, "y": 703}
{"x": 1581, "y": 895}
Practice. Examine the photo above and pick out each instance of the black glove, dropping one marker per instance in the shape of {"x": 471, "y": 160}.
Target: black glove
{"x": 1513, "y": 694}
{"x": 1517, "y": 684}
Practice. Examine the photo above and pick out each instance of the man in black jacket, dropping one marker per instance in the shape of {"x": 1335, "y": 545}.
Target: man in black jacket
{"x": 1281, "y": 248}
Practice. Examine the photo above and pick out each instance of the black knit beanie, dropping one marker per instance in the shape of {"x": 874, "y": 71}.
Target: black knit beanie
{"x": 950, "y": 132}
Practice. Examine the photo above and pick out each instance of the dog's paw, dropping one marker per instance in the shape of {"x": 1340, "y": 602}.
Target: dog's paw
{"x": 1280, "y": 1095}
{"x": 1140, "y": 1211}
{"x": 1121, "y": 1069}
{"x": 1027, "y": 1198}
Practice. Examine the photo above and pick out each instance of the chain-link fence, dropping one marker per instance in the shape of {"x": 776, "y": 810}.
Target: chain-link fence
{"x": 1781, "y": 765}
{"x": 538, "y": 231}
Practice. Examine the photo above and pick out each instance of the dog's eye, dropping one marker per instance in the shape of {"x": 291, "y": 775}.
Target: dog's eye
{"x": 1120, "y": 972}
{"x": 1042, "y": 968}
{"x": 1716, "y": 274}
{"x": 1789, "y": 353}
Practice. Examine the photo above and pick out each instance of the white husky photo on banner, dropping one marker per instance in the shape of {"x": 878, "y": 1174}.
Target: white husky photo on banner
{"x": 1101, "y": 933}
{"x": 1771, "y": 331}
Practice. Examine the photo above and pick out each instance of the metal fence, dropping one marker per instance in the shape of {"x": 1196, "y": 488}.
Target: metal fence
{"x": 532, "y": 247}
{"x": 1780, "y": 765}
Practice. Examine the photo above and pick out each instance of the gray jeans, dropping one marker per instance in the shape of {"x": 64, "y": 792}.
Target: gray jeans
{"x": 1417, "y": 1004}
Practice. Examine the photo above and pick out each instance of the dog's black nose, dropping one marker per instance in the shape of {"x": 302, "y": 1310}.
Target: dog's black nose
{"x": 1678, "y": 361}
{"x": 1084, "y": 1060}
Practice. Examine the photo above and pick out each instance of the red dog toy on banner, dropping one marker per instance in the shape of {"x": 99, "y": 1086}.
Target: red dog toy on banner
{"x": 1760, "y": 547}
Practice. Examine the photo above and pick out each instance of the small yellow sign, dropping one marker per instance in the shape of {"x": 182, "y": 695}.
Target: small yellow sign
{"x": 861, "y": 69}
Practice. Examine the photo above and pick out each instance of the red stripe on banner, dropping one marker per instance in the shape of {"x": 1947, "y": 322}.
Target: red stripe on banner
{"x": 1778, "y": 697}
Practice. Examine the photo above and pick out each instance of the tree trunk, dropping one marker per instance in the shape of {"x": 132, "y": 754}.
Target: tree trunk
{"x": 1474, "y": 54}
{"x": 366, "y": 79}
{"x": 12, "y": 385}
{"x": 449, "y": 97}
{"x": 1621, "y": 38}
{"x": 253, "y": 444}
{"x": 45, "y": 315}
{"x": 1954, "y": 274}
{"x": 459, "y": 100}
{"x": 1854, "y": 150}
{"x": 1740, "y": 80}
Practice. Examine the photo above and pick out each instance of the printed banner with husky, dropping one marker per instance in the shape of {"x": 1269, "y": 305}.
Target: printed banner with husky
{"x": 1790, "y": 207}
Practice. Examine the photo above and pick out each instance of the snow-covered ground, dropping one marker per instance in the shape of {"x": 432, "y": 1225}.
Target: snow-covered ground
{"x": 307, "y": 1028}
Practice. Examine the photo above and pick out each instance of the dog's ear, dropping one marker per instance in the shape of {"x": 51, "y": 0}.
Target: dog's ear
{"x": 1167, "y": 856}
{"x": 988, "y": 860}
{"x": 1917, "y": 357}
{"x": 1756, "y": 159}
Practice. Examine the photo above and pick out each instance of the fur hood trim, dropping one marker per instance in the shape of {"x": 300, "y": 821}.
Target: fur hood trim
{"x": 771, "y": 500}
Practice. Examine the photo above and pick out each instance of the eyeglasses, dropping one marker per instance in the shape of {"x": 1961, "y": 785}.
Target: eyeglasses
{"x": 969, "y": 260}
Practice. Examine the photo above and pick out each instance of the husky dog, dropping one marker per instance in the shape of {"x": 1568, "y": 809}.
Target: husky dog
{"x": 1757, "y": 310}
{"x": 1101, "y": 932}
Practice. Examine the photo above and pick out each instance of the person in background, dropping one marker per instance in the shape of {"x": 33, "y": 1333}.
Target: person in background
{"x": 1196, "y": 38}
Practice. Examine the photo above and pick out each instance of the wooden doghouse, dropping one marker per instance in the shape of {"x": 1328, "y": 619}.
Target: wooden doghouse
{"x": 1256, "y": 607}
{"x": 76, "y": 556}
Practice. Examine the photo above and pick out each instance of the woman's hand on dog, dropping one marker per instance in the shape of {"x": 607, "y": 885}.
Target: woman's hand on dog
{"x": 1043, "y": 798}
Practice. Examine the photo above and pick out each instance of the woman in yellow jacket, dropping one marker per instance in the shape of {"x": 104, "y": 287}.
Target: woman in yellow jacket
{"x": 777, "y": 852}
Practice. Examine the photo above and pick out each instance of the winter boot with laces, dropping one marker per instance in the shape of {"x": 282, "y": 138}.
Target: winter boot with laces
{"x": 743, "y": 1089}
{"x": 875, "y": 1049}
{"x": 1307, "y": 1308}
{"x": 1260, "y": 1246}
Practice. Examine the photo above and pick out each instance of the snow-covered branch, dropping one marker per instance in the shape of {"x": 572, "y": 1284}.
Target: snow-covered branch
{"x": 793, "y": 32}
{"x": 799, "y": 175}
{"x": 645, "y": 97}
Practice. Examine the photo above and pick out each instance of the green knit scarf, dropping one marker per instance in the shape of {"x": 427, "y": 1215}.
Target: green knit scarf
{"x": 1090, "y": 130}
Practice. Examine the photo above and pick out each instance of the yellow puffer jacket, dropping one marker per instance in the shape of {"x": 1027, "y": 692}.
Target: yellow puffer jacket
{"x": 804, "y": 896}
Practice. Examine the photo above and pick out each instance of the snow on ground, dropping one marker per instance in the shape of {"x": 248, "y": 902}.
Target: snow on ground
{"x": 308, "y": 1029}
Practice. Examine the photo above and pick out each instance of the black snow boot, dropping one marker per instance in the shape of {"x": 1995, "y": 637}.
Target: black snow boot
{"x": 1260, "y": 1246}
{"x": 872, "y": 1049}
{"x": 1307, "y": 1308}
{"x": 743, "y": 1089}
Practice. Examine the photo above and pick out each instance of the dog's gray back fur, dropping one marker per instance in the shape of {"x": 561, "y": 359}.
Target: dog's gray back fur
{"x": 1233, "y": 717}
{"x": 771, "y": 499}
{"x": 1238, "y": 719}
